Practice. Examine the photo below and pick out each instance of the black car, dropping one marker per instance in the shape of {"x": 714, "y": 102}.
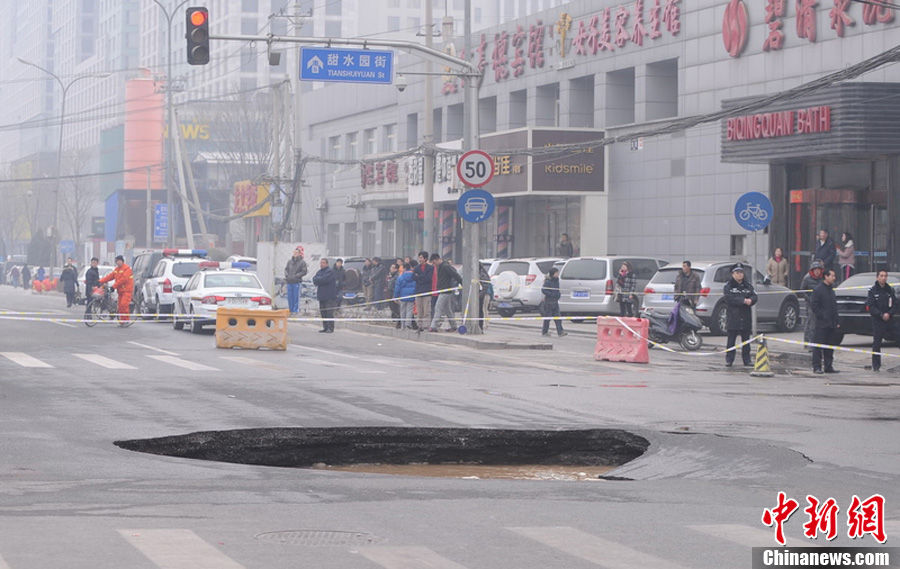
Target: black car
{"x": 853, "y": 314}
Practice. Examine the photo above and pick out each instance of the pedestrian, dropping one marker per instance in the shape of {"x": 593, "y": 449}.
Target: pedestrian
{"x": 551, "y": 293}
{"x": 448, "y": 280}
{"x": 26, "y": 277}
{"x": 407, "y": 260}
{"x": 123, "y": 282}
{"x": 687, "y": 286}
{"x": 366, "y": 275}
{"x": 824, "y": 305}
{"x": 485, "y": 292}
{"x": 339, "y": 275}
{"x": 326, "y": 293}
{"x": 393, "y": 303}
{"x": 809, "y": 283}
{"x": 91, "y": 281}
{"x": 739, "y": 298}
{"x": 294, "y": 271}
{"x": 378, "y": 278}
{"x": 405, "y": 289}
{"x": 69, "y": 278}
{"x": 14, "y": 277}
{"x": 777, "y": 268}
{"x": 564, "y": 248}
{"x": 882, "y": 305}
{"x": 626, "y": 282}
{"x": 423, "y": 273}
{"x": 847, "y": 256}
{"x": 826, "y": 250}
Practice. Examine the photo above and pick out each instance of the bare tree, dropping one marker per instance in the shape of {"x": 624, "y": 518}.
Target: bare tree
{"x": 79, "y": 195}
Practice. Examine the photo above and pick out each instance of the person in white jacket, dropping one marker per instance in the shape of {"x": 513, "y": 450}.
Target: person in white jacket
{"x": 847, "y": 256}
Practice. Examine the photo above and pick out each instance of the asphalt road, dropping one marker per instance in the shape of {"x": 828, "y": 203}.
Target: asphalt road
{"x": 723, "y": 445}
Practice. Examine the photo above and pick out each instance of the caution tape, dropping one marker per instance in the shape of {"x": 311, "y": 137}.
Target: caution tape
{"x": 830, "y": 347}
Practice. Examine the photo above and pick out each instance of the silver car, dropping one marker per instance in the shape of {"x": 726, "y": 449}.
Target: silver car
{"x": 777, "y": 304}
{"x": 587, "y": 284}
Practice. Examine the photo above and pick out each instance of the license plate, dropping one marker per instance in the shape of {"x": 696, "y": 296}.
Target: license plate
{"x": 504, "y": 305}
{"x": 581, "y": 294}
{"x": 668, "y": 297}
{"x": 239, "y": 301}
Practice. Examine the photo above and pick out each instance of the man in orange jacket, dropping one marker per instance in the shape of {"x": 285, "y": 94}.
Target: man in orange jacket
{"x": 124, "y": 284}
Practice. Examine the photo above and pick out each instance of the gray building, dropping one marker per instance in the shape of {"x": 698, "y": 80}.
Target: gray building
{"x": 619, "y": 68}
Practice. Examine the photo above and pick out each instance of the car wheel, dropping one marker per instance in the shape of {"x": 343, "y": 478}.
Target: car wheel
{"x": 176, "y": 324}
{"x": 196, "y": 325}
{"x": 718, "y": 324}
{"x": 578, "y": 320}
{"x": 789, "y": 316}
{"x": 506, "y": 312}
{"x": 691, "y": 341}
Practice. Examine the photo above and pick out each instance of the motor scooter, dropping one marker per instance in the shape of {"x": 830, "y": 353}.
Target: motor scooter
{"x": 682, "y": 326}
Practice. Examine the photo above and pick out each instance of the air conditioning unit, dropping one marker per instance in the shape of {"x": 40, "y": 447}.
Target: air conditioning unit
{"x": 321, "y": 204}
{"x": 354, "y": 200}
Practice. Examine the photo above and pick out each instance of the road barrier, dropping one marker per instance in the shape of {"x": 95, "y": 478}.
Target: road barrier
{"x": 622, "y": 340}
{"x": 251, "y": 329}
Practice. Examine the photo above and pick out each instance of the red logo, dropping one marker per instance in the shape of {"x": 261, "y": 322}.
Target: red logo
{"x": 735, "y": 27}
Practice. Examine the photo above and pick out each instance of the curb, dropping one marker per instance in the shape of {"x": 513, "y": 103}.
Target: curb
{"x": 442, "y": 337}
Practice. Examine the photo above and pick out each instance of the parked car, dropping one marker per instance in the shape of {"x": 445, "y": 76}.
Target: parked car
{"x": 587, "y": 284}
{"x": 175, "y": 268}
{"x": 853, "y": 314}
{"x": 777, "y": 304}
{"x": 517, "y": 283}
{"x": 212, "y": 287}
{"x": 142, "y": 268}
{"x": 242, "y": 259}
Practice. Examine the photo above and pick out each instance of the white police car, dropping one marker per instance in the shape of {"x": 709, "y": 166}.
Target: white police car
{"x": 175, "y": 268}
{"x": 231, "y": 285}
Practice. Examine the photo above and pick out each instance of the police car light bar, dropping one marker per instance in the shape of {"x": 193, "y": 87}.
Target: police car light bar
{"x": 240, "y": 265}
{"x": 184, "y": 252}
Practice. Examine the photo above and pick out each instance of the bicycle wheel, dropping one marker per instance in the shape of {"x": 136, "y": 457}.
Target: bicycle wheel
{"x": 91, "y": 313}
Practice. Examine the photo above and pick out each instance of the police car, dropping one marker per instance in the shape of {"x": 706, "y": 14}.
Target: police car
{"x": 175, "y": 268}
{"x": 214, "y": 285}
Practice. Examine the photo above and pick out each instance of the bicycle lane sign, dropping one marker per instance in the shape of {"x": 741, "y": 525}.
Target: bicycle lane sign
{"x": 753, "y": 211}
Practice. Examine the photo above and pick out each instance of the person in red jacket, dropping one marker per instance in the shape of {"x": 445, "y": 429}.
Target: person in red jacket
{"x": 123, "y": 282}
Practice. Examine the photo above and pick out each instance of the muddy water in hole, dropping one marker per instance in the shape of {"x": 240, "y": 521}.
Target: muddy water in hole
{"x": 507, "y": 472}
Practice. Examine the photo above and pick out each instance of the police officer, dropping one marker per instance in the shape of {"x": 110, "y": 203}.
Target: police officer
{"x": 882, "y": 305}
{"x": 824, "y": 305}
{"x": 739, "y": 297}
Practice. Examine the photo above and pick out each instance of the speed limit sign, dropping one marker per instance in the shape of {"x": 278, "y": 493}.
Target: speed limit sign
{"x": 475, "y": 168}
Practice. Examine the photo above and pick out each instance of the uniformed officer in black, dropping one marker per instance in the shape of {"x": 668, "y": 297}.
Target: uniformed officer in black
{"x": 824, "y": 305}
{"x": 882, "y": 305}
{"x": 739, "y": 297}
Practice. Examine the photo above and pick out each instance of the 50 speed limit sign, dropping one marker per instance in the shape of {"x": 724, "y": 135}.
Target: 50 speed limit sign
{"x": 475, "y": 168}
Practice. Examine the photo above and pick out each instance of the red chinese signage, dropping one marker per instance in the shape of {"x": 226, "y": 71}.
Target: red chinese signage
{"x": 778, "y": 124}
{"x": 864, "y": 517}
{"x": 379, "y": 173}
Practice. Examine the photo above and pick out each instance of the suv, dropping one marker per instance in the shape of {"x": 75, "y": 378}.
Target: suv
{"x": 142, "y": 267}
{"x": 517, "y": 283}
{"x": 175, "y": 268}
{"x": 776, "y": 303}
{"x": 587, "y": 284}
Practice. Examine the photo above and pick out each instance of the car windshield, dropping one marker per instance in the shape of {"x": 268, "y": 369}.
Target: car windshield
{"x": 545, "y": 266}
{"x": 518, "y": 267}
{"x": 584, "y": 269}
{"x": 234, "y": 280}
{"x": 185, "y": 269}
{"x": 668, "y": 276}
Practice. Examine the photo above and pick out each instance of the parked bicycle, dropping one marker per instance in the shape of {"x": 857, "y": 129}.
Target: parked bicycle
{"x": 103, "y": 306}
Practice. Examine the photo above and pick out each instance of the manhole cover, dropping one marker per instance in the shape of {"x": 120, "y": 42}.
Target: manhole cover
{"x": 318, "y": 538}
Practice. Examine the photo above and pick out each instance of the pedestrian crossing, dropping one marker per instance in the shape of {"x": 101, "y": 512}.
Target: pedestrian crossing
{"x": 181, "y": 548}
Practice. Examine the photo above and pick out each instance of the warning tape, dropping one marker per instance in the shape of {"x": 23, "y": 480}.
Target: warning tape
{"x": 830, "y": 347}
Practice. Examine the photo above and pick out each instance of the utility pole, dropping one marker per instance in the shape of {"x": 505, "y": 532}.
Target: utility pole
{"x": 470, "y": 142}
{"x": 428, "y": 231}
{"x": 297, "y": 233}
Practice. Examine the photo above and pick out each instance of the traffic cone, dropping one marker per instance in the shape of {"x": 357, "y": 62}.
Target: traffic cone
{"x": 761, "y": 367}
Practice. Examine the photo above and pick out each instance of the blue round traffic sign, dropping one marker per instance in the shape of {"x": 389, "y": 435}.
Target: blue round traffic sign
{"x": 475, "y": 206}
{"x": 753, "y": 211}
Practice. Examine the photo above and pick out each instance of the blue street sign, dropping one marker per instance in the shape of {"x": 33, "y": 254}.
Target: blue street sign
{"x": 475, "y": 206}
{"x": 160, "y": 223}
{"x": 67, "y": 247}
{"x": 346, "y": 65}
{"x": 753, "y": 211}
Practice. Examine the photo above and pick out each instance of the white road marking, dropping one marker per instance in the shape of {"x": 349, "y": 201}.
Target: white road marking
{"x": 66, "y": 324}
{"x": 253, "y": 362}
{"x": 178, "y": 549}
{"x": 750, "y": 536}
{"x": 329, "y": 363}
{"x": 24, "y": 359}
{"x": 407, "y": 558}
{"x": 348, "y": 356}
{"x": 103, "y": 361}
{"x": 186, "y": 364}
{"x": 168, "y": 353}
{"x": 594, "y": 549}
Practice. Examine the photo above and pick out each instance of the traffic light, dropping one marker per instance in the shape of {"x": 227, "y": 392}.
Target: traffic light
{"x": 197, "y": 35}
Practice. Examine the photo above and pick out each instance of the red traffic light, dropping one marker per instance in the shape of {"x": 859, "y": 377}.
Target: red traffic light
{"x": 199, "y": 18}
{"x": 197, "y": 35}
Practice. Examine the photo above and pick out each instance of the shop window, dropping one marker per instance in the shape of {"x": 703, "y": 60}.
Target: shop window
{"x": 368, "y": 239}
{"x": 370, "y": 142}
{"x": 620, "y": 97}
{"x": 454, "y": 122}
{"x": 547, "y": 105}
{"x": 412, "y": 130}
{"x": 334, "y": 239}
{"x": 581, "y": 102}
{"x": 518, "y": 109}
{"x": 389, "y": 142}
{"x": 349, "y": 239}
{"x": 334, "y": 147}
{"x": 661, "y": 89}
{"x": 487, "y": 115}
{"x": 352, "y": 146}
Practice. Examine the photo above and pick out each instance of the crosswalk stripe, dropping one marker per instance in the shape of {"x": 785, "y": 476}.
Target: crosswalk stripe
{"x": 178, "y": 549}
{"x": 750, "y": 536}
{"x": 103, "y": 361}
{"x": 145, "y": 346}
{"x": 339, "y": 364}
{"x": 367, "y": 359}
{"x": 407, "y": 558}
{"x": 186, "y": 364}
{"x": 24, "y": 359}
{"x": 594, "y": 549}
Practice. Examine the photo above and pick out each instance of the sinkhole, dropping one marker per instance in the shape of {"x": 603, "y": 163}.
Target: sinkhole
{"x": 412, "y": 451}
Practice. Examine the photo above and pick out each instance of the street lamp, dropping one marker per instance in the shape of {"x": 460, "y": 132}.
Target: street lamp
{"x": 169, "y": 195}
{"x": 64, "y": 86}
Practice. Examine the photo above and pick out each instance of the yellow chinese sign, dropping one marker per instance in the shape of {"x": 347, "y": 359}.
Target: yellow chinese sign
{"x": 248, "y": 195}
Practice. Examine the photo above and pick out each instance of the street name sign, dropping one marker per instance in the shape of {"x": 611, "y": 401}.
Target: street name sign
{"x": 346, "y": 65}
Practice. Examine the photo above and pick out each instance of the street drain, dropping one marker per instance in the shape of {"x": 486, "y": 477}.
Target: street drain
{"x": 318, "y": 538}
{"x": 451, "y": 452}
